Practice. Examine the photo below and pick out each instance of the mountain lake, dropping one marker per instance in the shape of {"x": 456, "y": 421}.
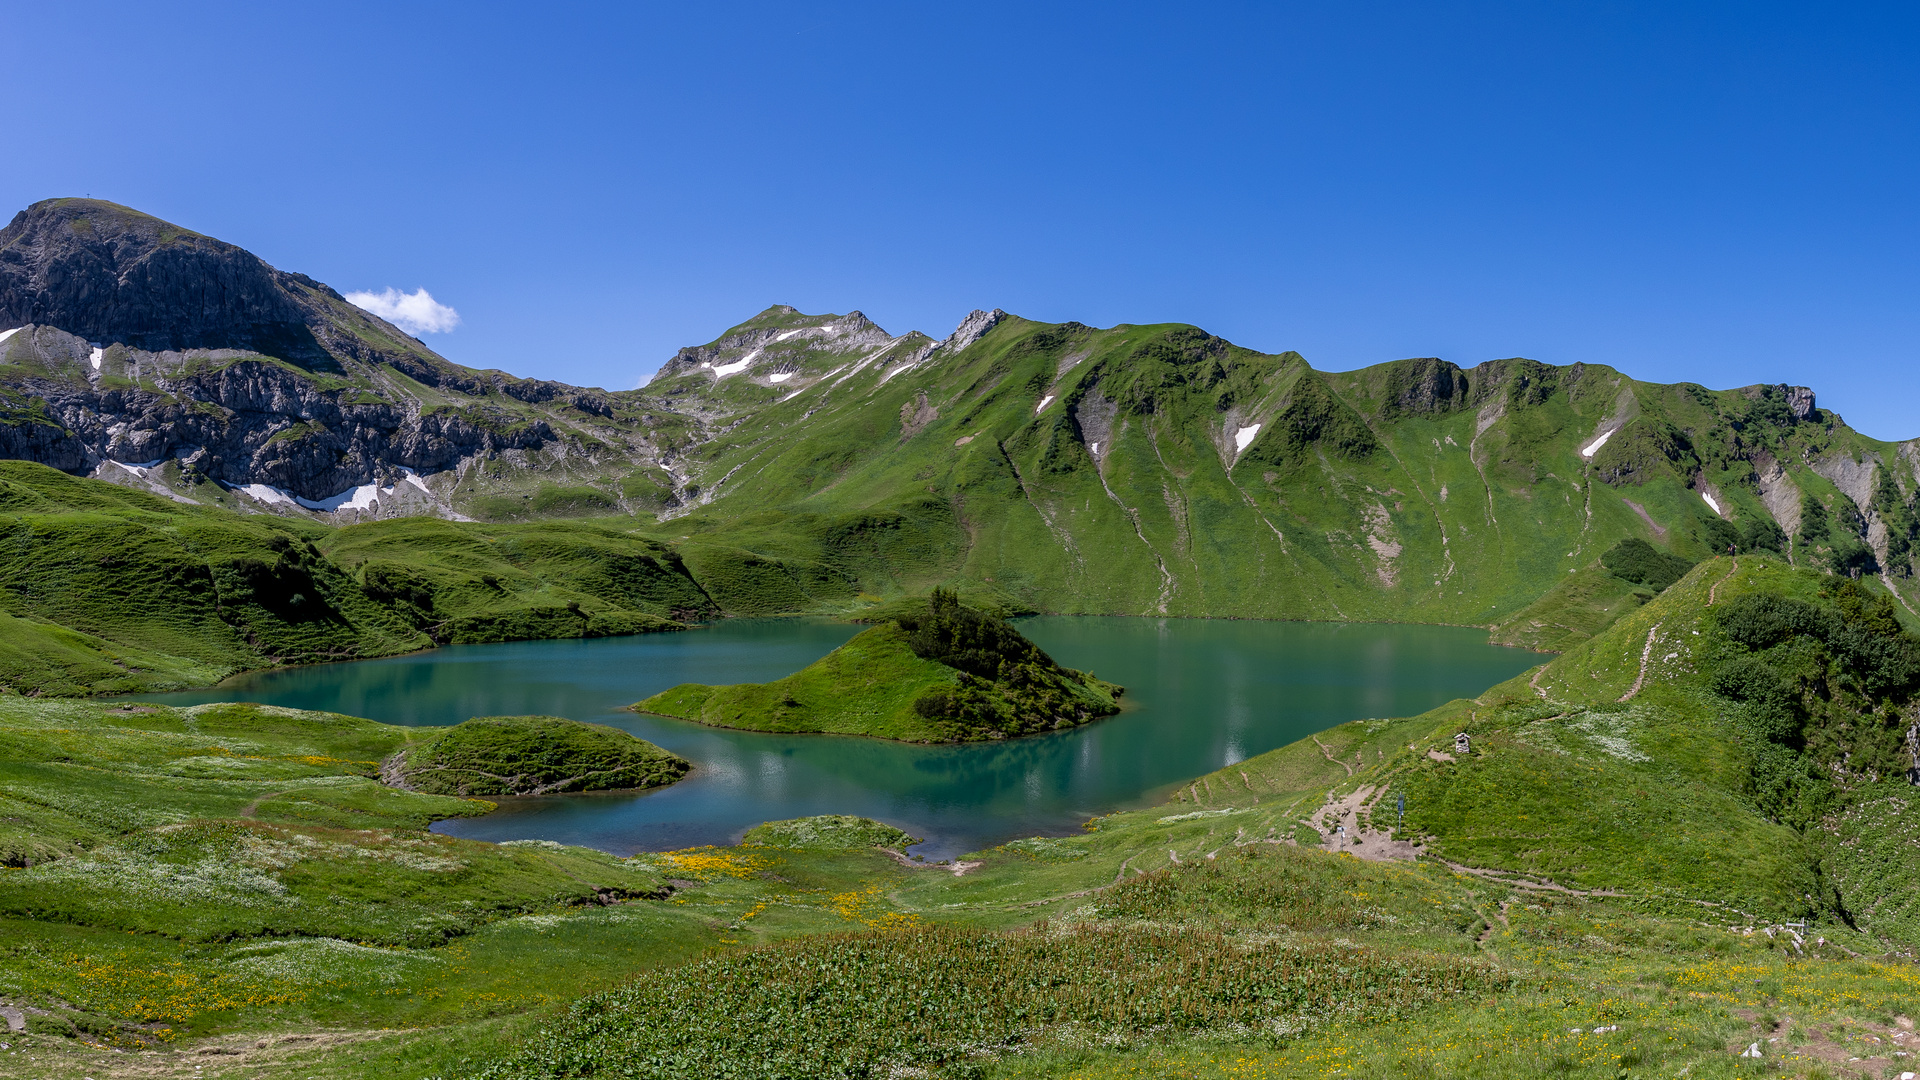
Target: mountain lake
{"x": 1200, "y": 694}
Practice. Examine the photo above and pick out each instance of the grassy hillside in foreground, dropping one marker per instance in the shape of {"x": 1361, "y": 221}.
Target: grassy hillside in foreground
{"x": 936, "y": 671}
{"x": 1604, "y": 890}
{"x": 529, "y": 755}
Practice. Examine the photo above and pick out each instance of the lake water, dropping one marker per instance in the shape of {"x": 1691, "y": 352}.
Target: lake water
{"x": 1201, "y": 694}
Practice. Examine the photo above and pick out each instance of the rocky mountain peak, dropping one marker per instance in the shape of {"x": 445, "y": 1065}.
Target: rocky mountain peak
{"x": 972, "y": 329}
{"x": 110, "y": 274}
{"x": 1800, "y": 402}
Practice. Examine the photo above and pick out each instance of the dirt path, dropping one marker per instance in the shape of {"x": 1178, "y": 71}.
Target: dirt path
{"x": 1645, "y": 655}
{"x": 290, "y": 1053}
{"x": 1338, "y": 823}
{"x": 957, "y": 867}
{"x": 1329, "y": 754}
{"x": 253, "y": 807}
{"x": 1535, "y": 681}
{"x": 1517, "y": 880}
{"x": 1713, "y": 594}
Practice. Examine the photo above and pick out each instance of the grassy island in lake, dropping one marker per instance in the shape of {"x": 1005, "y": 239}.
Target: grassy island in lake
{"x": 942, "y": 672}
{"x": 530, "y": 755}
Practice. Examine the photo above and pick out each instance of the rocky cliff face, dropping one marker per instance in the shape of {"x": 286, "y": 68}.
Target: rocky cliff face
{"x": 107, "y": 273}
{"x": 145, "y": 353}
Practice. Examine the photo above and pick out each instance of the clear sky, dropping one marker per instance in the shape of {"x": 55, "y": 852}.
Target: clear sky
{"x": 1722, "y": 193}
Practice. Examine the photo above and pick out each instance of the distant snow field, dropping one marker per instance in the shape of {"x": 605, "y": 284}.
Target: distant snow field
{"x": 1593, "y": 447}
{"x": 1710, "y": 502}
{"x": 1043, "y": 404}
{"x": 5, "y": 334}
{"x": 1244, "y": 436}
{"x": 98, "y": 355}
{"x": 266, "y": 493}
{"x": 780, "y": 376}
{"x": 360, "y": 498}
{"x": 739, "y": 365}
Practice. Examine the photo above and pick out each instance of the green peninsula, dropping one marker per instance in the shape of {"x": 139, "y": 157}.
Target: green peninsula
{"x": 942, "y": 672}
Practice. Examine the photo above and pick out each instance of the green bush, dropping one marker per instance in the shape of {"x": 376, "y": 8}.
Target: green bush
{"x": 389, "y": 581}
{"x": 1637, "y": 561}
{"x": 1773, "y": 701}
{"x": 38, "y": 1024}
{"x": 1720, "y": 536}
{"x": 1761, "y": 621}
{"x": 965, "y": 639}
{"x": 1007, "y": 685}
{"x": 1761, "y": 533}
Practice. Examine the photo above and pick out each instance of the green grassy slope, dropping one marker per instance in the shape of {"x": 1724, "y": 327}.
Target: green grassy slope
{"x": 1626, "y": 766}
{"x": 1085, "y": 470}
{"x": 941, "y": 672}
{"x": 1578, "y": 606}
{"x": 109, "y": 590}
{"x": 877, "y": 469}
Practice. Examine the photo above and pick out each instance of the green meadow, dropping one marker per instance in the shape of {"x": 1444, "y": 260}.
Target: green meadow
{"x": 1670, "y": 844}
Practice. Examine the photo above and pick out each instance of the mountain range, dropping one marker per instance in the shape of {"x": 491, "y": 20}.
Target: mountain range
{"x": 1149, "y": 469}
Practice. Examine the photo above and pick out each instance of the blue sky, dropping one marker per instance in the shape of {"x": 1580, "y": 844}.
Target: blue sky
{"x": 1721, "y": 193}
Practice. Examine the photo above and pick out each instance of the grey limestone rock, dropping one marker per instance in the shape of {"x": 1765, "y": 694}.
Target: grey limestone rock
{"x": 971, "y": 329}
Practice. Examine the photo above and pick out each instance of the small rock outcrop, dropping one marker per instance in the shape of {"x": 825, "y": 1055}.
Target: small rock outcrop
{"x": 971, "y": 329}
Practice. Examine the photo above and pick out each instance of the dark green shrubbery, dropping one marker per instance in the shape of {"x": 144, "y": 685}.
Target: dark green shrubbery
{"x": 1720, "y": 535}
{"x": 1761, "y": 621}
{"x": 968, "y": 640}
{"x": 1820, "y": 688}
{"x": 1637, "y": 561}
{"x": 1757, "y": 533}
{"x": 1835, "y": 544}
{"x": 1007, "y": 685}
{"x": 1761, "y": 533}
{"x": 389, "y": 582}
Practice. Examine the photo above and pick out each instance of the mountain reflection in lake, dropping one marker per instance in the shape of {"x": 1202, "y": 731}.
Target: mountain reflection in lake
{"x": 1201, "y": 693}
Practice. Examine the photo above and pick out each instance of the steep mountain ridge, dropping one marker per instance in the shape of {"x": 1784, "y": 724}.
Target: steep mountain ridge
{"x": 1162, "y": 470}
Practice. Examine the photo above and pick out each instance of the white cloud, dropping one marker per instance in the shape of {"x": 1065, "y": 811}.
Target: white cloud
{"x": 416, "y": 312}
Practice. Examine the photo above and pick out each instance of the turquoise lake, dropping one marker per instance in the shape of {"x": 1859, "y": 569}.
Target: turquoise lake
{"x": 1201, "y": 694}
